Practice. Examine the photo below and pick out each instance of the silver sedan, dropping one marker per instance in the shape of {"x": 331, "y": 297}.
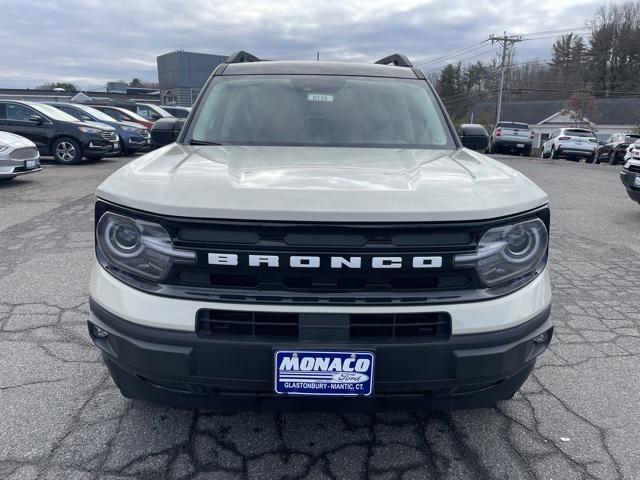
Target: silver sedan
{"x": 18, "y": 156}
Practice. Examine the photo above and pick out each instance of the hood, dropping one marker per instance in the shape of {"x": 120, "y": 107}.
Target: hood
{"x": 98, "y": 125}
{"x": 15, "y": 141}
{"x": 131, "y": 124}
{"x": 321, "y": 184}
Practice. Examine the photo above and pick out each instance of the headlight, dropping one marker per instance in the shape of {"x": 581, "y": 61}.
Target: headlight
{"x": 89, "y": 130}
{"x": 508, "y": 252}
{"x": 129, "y": 129}
{"x": 137, "y": 247}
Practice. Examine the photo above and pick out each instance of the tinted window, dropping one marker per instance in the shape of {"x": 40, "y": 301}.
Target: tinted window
{"x": 579, "y": 133}
{"x": 71, "y": 111}
{"x": 19, "y": 112}
{"x": 3, "y": 111}
{"x": 631, "y": 138}
{"x": 318, "y": 110}
{"x": 115, "y": 114}
{"x": 52, "y": 112}
{"x": 520, "y": 126}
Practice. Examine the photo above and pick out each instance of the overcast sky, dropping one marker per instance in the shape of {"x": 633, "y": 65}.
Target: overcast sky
{"x": 90, "y": 42}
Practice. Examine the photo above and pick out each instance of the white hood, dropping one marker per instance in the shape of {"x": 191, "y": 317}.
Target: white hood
{"x": 321, "y": 184}
{"x": 15, "y": 141}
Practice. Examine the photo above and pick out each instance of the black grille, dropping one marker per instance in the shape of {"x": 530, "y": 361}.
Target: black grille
{"x": 352, "y": 327}
{"x": 634, "y": 168}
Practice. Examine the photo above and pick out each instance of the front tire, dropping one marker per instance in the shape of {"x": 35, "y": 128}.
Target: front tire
{"x": 553, "y": 154}
{"x": 590, "y": 159}
{"x": 611, "y": 159}
{"x": 67, "y": 151}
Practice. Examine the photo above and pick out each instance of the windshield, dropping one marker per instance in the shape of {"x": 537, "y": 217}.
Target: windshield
{"x": 53, "y": 112}
{"x": 309, "y": 110}
{"x": 160, "y": 111}
{"x": 97, "y": 114}
{"x": 579, "y": 133}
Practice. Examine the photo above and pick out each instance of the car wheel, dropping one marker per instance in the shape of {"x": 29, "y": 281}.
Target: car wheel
{"x": 590, "y": 159}
{"x": 67, "y": 151}
{"x": 527, "y": 153}
{"x": 611, "y": 158}
{"x": 553, "y": 154}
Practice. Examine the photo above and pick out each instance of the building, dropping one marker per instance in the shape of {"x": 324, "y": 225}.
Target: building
{"x": 615, "y": 115}
{"x": 77, "y": 97}
{"x": 182, "y": 74}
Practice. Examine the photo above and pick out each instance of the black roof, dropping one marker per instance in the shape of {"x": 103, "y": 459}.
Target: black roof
{"x": 612, "y": 111}
{"x": 318, "y": 68}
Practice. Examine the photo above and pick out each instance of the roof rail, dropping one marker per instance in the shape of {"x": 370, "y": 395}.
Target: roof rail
{"x": 397, "y": 59}
{"x": 241, "y": 57}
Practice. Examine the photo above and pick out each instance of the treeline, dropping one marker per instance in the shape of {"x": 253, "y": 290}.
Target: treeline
{"x": 604, "y": 62}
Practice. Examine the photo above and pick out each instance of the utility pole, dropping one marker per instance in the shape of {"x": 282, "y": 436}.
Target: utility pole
{"x": 505, "y": 41}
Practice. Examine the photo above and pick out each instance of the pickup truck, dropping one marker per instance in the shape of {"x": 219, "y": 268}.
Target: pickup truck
{"x": 318, "y": 237}
{"x": 512, "y": 137}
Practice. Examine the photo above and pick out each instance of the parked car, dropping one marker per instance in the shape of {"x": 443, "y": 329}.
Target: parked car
{"x": 133, "y": 137}
{"x": 57, "y": 133}
{"x": 630, "y": 175}
{"x": 571, "y": 144}
{"x": 178, "y": 112}
{"x": 18, "y": 156}
{"x": 151, "y": 112}
{"x": 615, "y": 147}
{"x": 121, "y": 114}
{"x": 630, "y": 150}
{"x": 318, "y": 237}
{"x": 512, "y": 137}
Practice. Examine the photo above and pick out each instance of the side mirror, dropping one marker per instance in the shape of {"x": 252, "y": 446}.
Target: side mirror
{"x": 166, "y": 131}
{"x": 474, "y": 137}
{"x": 36, "y": 119}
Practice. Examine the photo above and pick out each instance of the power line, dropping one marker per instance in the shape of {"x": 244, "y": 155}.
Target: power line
{"x": 485, "y": 52}
{"x": 453, "y": 54}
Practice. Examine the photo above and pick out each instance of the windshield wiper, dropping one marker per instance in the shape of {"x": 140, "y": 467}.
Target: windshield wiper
{"x": 204, "y": 142}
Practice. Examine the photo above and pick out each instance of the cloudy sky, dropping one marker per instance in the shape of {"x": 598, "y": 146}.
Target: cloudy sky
{"x": 90, "y": 42}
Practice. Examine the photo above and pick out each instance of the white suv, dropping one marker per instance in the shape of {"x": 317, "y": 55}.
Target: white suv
{"x": 571, "y": 144}
{"x": 318, "y": 237}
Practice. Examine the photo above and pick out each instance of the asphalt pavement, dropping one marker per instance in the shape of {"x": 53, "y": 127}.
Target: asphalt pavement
{"x": 61, "y": 417}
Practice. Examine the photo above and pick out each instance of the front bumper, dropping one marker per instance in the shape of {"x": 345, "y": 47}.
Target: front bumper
{"x": 14, "y": 168}
{"x": 182, "y": 369}
{"x": 628, "y": 180}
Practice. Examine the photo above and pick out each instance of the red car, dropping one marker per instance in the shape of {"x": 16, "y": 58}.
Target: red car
{"x": 123, "y": 115}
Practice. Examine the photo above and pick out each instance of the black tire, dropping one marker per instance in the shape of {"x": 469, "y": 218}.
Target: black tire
{"x": 590, "y": 159}
{"x": 611, "y": 158}
{"x": 66, "y": 151}
{"x": 527, "y": 153}
{"x": 553, "y": 154}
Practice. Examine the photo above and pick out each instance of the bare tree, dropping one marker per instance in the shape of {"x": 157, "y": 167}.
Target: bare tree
{"x": 582, "y": 108}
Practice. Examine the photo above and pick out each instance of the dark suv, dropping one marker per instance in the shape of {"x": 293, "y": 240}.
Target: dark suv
{"x": 614, "y": 149}
{"x": 133, "y": 137}
{"x": 57, "y": 133}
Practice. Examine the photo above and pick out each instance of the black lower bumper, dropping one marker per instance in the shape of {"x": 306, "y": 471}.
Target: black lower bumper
{"x": 182, "y": 370}
{"x": 628, "y": 180}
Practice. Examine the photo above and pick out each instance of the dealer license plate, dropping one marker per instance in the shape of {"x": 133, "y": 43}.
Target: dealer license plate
{"x": 520, "y": 145}
{"x": 636, "y": 182}
{"x": 322, "y": 373}
{"x": 30, "y": 164}
{"x": 116, "y": 146}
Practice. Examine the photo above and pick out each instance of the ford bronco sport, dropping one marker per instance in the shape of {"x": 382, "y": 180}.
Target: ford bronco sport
{"x": 319, "y": 238}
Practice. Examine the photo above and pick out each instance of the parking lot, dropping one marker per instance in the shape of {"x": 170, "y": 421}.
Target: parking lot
{"x": 62, "y": 417}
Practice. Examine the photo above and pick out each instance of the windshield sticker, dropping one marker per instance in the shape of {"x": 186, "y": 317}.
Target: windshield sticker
{"x": 319, "y": 97}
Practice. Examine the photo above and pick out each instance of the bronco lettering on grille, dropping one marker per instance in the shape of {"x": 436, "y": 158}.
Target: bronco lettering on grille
{"x": 306, "y": 261}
